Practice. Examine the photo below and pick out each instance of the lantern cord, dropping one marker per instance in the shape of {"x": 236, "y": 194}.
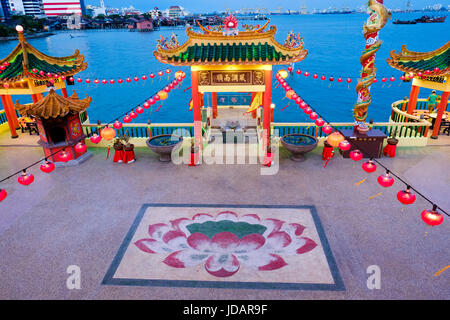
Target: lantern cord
{"x": 382, "y": 165}
{"x": 56, "y": 152}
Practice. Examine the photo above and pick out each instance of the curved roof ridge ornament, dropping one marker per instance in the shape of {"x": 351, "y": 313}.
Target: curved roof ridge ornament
{"x": 263, "y": 27}
{"x": 202, "y": 27}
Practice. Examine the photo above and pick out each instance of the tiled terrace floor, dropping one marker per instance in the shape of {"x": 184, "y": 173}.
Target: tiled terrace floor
{"x": 80, "y": 216}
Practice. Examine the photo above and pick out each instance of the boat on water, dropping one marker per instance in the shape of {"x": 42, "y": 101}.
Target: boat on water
{"x": 428, "y": 19}
{"x": 404, "y": 21}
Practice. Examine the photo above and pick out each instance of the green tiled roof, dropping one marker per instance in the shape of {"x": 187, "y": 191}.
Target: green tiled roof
{"x": 15, "y": 67}
{"x": 441, "y": 61}
{"x": 229, "y": 53}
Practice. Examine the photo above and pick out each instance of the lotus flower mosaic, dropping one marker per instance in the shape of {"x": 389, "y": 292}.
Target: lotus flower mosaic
{"x": 225, "y": 242}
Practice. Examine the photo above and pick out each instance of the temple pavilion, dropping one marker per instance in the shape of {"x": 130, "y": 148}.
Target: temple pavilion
{"x": 429, "y": 70}
{"x": 27, "y": 71}
{"x": 226, "y": 59}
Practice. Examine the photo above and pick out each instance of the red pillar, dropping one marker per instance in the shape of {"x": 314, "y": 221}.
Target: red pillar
{"x": 12, "y": 111}
{"x": 214, "y": 105}
{"x": 12, "y": 128}
{"x": 441, "y": 108}
{"x": 413, "y": 99}
{"x": 35, "y": 98}
{"x": 196, "y": 109}
{"x": 64, "y": 92}
{"x": 267, "y": 112}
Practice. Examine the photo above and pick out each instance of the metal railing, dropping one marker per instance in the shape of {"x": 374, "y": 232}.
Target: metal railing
{"x": 141, "y": 130}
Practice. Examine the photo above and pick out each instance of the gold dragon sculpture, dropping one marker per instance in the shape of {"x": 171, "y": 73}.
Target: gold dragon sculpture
{"x": 378, "y": 18}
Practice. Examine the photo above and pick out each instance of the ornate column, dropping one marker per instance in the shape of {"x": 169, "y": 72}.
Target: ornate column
{"x": 214, "y": 104}
{"x": 267, "y": 112}
{"x": 413, "y": 96}
{"x": 196, "y": 109}
{"x": 12, "y": 127}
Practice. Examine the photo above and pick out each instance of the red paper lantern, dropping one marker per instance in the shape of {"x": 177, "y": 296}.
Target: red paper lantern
{"x": 385, "y": 180}
{"x": 79, "y": 80}
{"x": 391, "y": 79}
{"x": 3, "y": 194}
{"x": 152, "y": 75}
{"x": 175, "y": 82}
{"x": 133, "y": 115}
{"x": 436, "y": 70}
{"x": 349, "y": 80}
{"x": 64, "y": 78}
{"x": 306, "y": 74}
{"x": 323, "y": 78}
{"x": 167, "y": 89}
{"x": 294, "y": 96}
{"x": 144, "y": 77}
{"x": 120, "y": 81}
{"x": 56, "y": 76}
{"x": 151, "y": 101}
{"x": 34, "y": 70}
{"x": 117, "y": 125}
{"x": 339, "y": 80}
{"x": 25, "y": 178}
{"x": 96, "y": 81}
{"x": 168, "y": 71}
{"x": 344, "y": 145}
{"x": 95, "y": 138}
{"x": 313, "y": 116}
{"x": 127, "y": 119}
{"x": 80, "y": 147}
{"x": 383, "y": 79}
{"x": 402, "y": 78}
{"x": 303, "y": 105}
{"x": 156, "y": 97}
{"x": 427, "y": 72}
{"x": 299, "y": 72}
{"x": 139, "y": 109}
{"x": 319, "y": 122}
{"x": 298, "y": 100}
{"x": 356, "y": 155}
{"x": 146, "y": 105}
{"x": 160, "y": 73}
{"x": 88, "y": 80}
{"x": 419, "y": 74}
{"x": 64, "y": 156}
{"x": 136, "y": 78}
{"x": 48, "y": 74}
{"x": 331, "y": 79}
{"x": 369, "y": 166}
{"x": 290, "y": 69}
{"x": 315, "y": 76}
{"x": 104, "y": 81}
{"x": 308, "y": 110}
{"x": 406, "y": 196}
{"x": 2, "y": 68}
{"x": 41, "y": 72}
{"x": 375, "y": 80}
{"x": 47, "y": 166}
{"x": 432, "y": 217}
{"x": 327, "y": 129}
{"x": 112, "y": 81}
{"x": 128, "y": 80}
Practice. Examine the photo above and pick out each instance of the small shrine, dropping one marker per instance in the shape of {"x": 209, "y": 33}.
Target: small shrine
{"x": 59, "y": 126}
{"x": 429, "y": 70}
{"x": 226, "y": 59}
{"x": 27, "y": 71}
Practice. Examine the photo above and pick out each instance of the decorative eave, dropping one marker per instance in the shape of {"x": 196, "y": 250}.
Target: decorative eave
{"x": 54, "y": 105}
{"x": 254, "y": 37}
{"x": 66, "y": 66}
{"x": 417, "y": 59}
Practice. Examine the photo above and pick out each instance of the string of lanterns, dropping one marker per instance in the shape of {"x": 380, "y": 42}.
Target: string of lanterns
{"x": 336, "y": 139}
{"x": 107, "y": 133}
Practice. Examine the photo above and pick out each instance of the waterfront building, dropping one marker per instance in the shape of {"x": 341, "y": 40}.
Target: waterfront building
{"x": 130, "y": 11}
{"x": 5, "y": 9}
{"x": 64, "y": 7}
{"x": 175, "y": 12}
{"x": 155, "y": 13}
{"x": 26, "y": 7}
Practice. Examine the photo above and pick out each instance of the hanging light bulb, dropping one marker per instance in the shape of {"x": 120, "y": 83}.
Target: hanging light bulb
{"x": 3, "y": 194}
{"x": 64, "y": 156}
{"x": 356, "y": 155}
{"x": 95, "y": 138}
{"x": 385, "y": 180}
{"x": 369, "y": 166}
{"x": 406, "y": 196}
{"x": 432, "y": 217}
{"x": 47, "y": 166}
{"x": 25, "y": 178}
{"x": 80, "y": 147}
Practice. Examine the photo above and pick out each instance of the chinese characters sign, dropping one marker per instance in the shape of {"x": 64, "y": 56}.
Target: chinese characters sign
{"x": 230, "y": 78}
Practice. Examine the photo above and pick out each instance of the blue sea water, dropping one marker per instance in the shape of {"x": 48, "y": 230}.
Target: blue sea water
{"x": 334, "y": 43}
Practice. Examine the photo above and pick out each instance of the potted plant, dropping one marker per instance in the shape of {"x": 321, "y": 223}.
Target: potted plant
{"x": 118, "y": 150}
{"x": 128, "y": 149}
